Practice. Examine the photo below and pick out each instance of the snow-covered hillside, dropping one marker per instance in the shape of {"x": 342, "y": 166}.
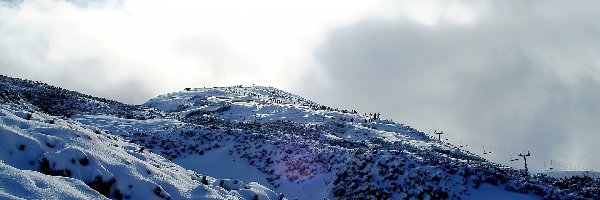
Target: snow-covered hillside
{"x": 235, "y": 142}
{"x": 39, "y": 151}
{"x": 563, "y": 174}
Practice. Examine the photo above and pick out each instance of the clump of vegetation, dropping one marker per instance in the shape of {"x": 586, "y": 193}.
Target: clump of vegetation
{"x": 104, "y": 187}
{"x": 160, "y": 193}
{"x": 46, "y": 168}
{"x": 84, "y": 161}
{"x": 204, "y": 180}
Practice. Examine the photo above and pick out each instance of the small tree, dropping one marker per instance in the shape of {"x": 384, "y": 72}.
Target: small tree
{"x": 204, "y": 180}
{"x": 222, "y": 184}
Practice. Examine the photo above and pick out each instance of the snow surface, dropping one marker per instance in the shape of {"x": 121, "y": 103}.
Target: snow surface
{"x": 563, "y": 174}
{"x": 238, "y": 143}
{"x": 86, "y": 155}
{"x": 491, "y": 192}
{"x": 219, "y": 163}
{"x": 27, "y": 184}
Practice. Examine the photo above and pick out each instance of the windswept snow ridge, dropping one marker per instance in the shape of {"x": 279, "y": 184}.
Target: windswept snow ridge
{"x": 98, "y": 164}
{"x": 243, "y": 139}
{"x": 297, "y": 143}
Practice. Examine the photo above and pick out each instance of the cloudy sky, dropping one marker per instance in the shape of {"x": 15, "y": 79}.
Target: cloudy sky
{"x": 510, "y": 75}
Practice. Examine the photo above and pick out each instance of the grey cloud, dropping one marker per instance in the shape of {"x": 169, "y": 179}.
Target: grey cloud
{"x": 212, "y": 50}
{"x": 523, "y": 77}
{"x": 27, "y": 53}
{"x": 90, "y": 75}
{"x": 116, "y": 50}
{"x": 56, "y": 50}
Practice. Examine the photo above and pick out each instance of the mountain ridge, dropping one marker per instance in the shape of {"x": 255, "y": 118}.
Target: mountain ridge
{"x": 291, "y": 142}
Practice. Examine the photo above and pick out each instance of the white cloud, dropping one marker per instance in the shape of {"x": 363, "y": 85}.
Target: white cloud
{"x": 97, "y": 46}
{"x": 522, "y": 76}
{"x": 430, "y": 63}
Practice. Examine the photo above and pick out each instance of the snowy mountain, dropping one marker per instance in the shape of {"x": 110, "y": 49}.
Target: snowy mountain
{"x": 562, "y": 174}
{"x": 238, "y": 143}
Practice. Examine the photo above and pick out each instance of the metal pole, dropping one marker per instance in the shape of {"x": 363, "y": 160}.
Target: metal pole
{"x": 525, "y": 159}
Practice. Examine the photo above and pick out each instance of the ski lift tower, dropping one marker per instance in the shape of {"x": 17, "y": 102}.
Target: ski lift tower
{"x": 525, "y": 159}
{"x": 439, "y": 134}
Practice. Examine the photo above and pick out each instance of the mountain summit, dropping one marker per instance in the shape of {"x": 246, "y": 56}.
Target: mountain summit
{"x": 237, "y": 143}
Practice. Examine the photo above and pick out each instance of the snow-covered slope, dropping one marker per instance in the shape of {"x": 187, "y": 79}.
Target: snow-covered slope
{"x": 307, "y": 150}
{"x": 16, "y": 184}
{"x": 255, "y": 135}
{"x": 60, "y": 102}
{"x": 39, "y": 151}
{"x": 563, "y": 174}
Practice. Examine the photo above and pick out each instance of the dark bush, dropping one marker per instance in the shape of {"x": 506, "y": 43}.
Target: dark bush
{"x": 46, "y": 169}
{"x": 159, "y": 192}
{"x": 204, "y": 180}
{"x": 84, "y": 161}
{"x": 103, "y": 187}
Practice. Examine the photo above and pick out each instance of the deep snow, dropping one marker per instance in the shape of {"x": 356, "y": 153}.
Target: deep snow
{"x": 85, "y": 155}
{"x": 237, "y": 143}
